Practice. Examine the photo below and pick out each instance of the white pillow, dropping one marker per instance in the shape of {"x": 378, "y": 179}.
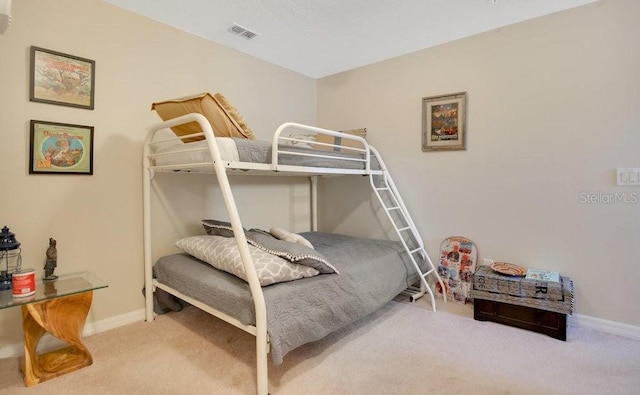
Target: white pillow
{"x": 222, "y": 253}
{"x": 285, "y": 235}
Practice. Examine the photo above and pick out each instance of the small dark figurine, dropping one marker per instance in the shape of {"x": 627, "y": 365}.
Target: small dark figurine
{"x": 52, "y": 261}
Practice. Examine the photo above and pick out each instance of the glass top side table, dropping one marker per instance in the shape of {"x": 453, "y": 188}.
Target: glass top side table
{"x": 66, "y": 284}
{"x": 59, "y": 308}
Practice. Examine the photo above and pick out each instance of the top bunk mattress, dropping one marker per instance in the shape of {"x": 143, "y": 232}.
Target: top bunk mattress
{"x": 372, "y": 273}
{"x": 255, "y": 151}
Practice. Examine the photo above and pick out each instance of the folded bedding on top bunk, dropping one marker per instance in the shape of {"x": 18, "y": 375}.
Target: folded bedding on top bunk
{"x": 372, "y": 272}
{"x": 253, "y": 151}
{"x": 224, "y": 118}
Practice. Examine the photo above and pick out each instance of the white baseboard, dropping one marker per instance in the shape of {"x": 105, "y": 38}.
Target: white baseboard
{"x": 613, "y": 327}
{"x": 14, "y": 350}
{"x": 113, "y": 322}
{"x": 91, "y": 328}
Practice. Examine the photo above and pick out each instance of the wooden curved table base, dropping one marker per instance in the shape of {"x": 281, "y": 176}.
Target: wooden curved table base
{"x": 64, "y": 319}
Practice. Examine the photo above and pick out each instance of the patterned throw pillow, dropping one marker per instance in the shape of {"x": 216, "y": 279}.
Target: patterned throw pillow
{"x": 285, "y": 235}
{"x": 293, "y": 252}
{"x": 217, "y": 228}
{"x": 300, "y": 251}
{"x": 222, "y": 253}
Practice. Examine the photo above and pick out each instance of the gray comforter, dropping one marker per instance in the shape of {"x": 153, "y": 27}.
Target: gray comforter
{"x": 257, "y": 151}
{"x": 372, "y": 272}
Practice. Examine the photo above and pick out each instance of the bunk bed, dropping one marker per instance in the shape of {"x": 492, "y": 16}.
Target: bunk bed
{"x": 285, "y": 315}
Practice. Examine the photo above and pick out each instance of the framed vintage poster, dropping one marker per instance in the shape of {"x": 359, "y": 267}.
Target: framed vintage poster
{"x": 60, "y": 148}
{"x": 58, "y": 78}
{"x": 444, "y": 122}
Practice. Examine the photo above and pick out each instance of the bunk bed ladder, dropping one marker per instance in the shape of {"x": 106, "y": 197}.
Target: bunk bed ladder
{"x": 398, "y": 215}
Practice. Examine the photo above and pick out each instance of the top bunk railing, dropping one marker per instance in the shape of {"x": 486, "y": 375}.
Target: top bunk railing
{"x": 289, "y": 140}
{"x": 277, "y": 148}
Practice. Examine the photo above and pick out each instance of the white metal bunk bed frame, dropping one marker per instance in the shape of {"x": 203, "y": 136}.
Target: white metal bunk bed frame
{"x": 405, "y": 229}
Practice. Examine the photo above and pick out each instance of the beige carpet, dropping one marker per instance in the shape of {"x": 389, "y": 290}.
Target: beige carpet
{"x": 403, "y": 349}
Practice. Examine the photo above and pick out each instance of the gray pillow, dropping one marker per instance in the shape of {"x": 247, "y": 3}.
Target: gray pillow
{"x": 292, "y": 252}
{"x": 217, "y": 228}
{"x": 265, "y": 241}
{"x": 222, "y": 253}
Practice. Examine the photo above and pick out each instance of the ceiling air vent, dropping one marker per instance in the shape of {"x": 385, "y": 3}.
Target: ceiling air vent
{"x": 242, "y": 32}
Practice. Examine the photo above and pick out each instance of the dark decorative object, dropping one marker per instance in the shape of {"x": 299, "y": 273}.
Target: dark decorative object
{"x": 9, "y": 252}
{"x": 52, "y": 261}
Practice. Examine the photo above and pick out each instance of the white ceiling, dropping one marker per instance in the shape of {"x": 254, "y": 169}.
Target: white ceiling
{"x": 318, "y": 38}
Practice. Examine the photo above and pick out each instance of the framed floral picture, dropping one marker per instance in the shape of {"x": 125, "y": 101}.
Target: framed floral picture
{"x": 60, "y": 148}
{"x": 444, "y": 122}
{"x": 58, "y": 78}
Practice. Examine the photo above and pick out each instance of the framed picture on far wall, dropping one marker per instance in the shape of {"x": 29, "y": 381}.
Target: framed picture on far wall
{"x": 60, "y": 148}
{"x": 58, "y": 78}
{"x": 444, "y": 122}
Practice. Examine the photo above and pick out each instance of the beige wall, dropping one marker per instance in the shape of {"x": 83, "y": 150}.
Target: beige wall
{"x": 97, "y": 220}
{"x": 553, "y": 110}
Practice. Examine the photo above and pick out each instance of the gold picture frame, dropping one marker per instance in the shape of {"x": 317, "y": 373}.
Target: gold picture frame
{"x": 444, "y": 122}
{"x": 62, "y": 79}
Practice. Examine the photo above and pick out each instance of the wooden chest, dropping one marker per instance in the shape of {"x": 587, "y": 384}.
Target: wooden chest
{"x": 548, "y": 322}
{"x": 535, "y": 305}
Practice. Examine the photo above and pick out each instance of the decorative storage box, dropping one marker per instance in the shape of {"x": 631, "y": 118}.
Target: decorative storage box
{"x": 539, "y": 306}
